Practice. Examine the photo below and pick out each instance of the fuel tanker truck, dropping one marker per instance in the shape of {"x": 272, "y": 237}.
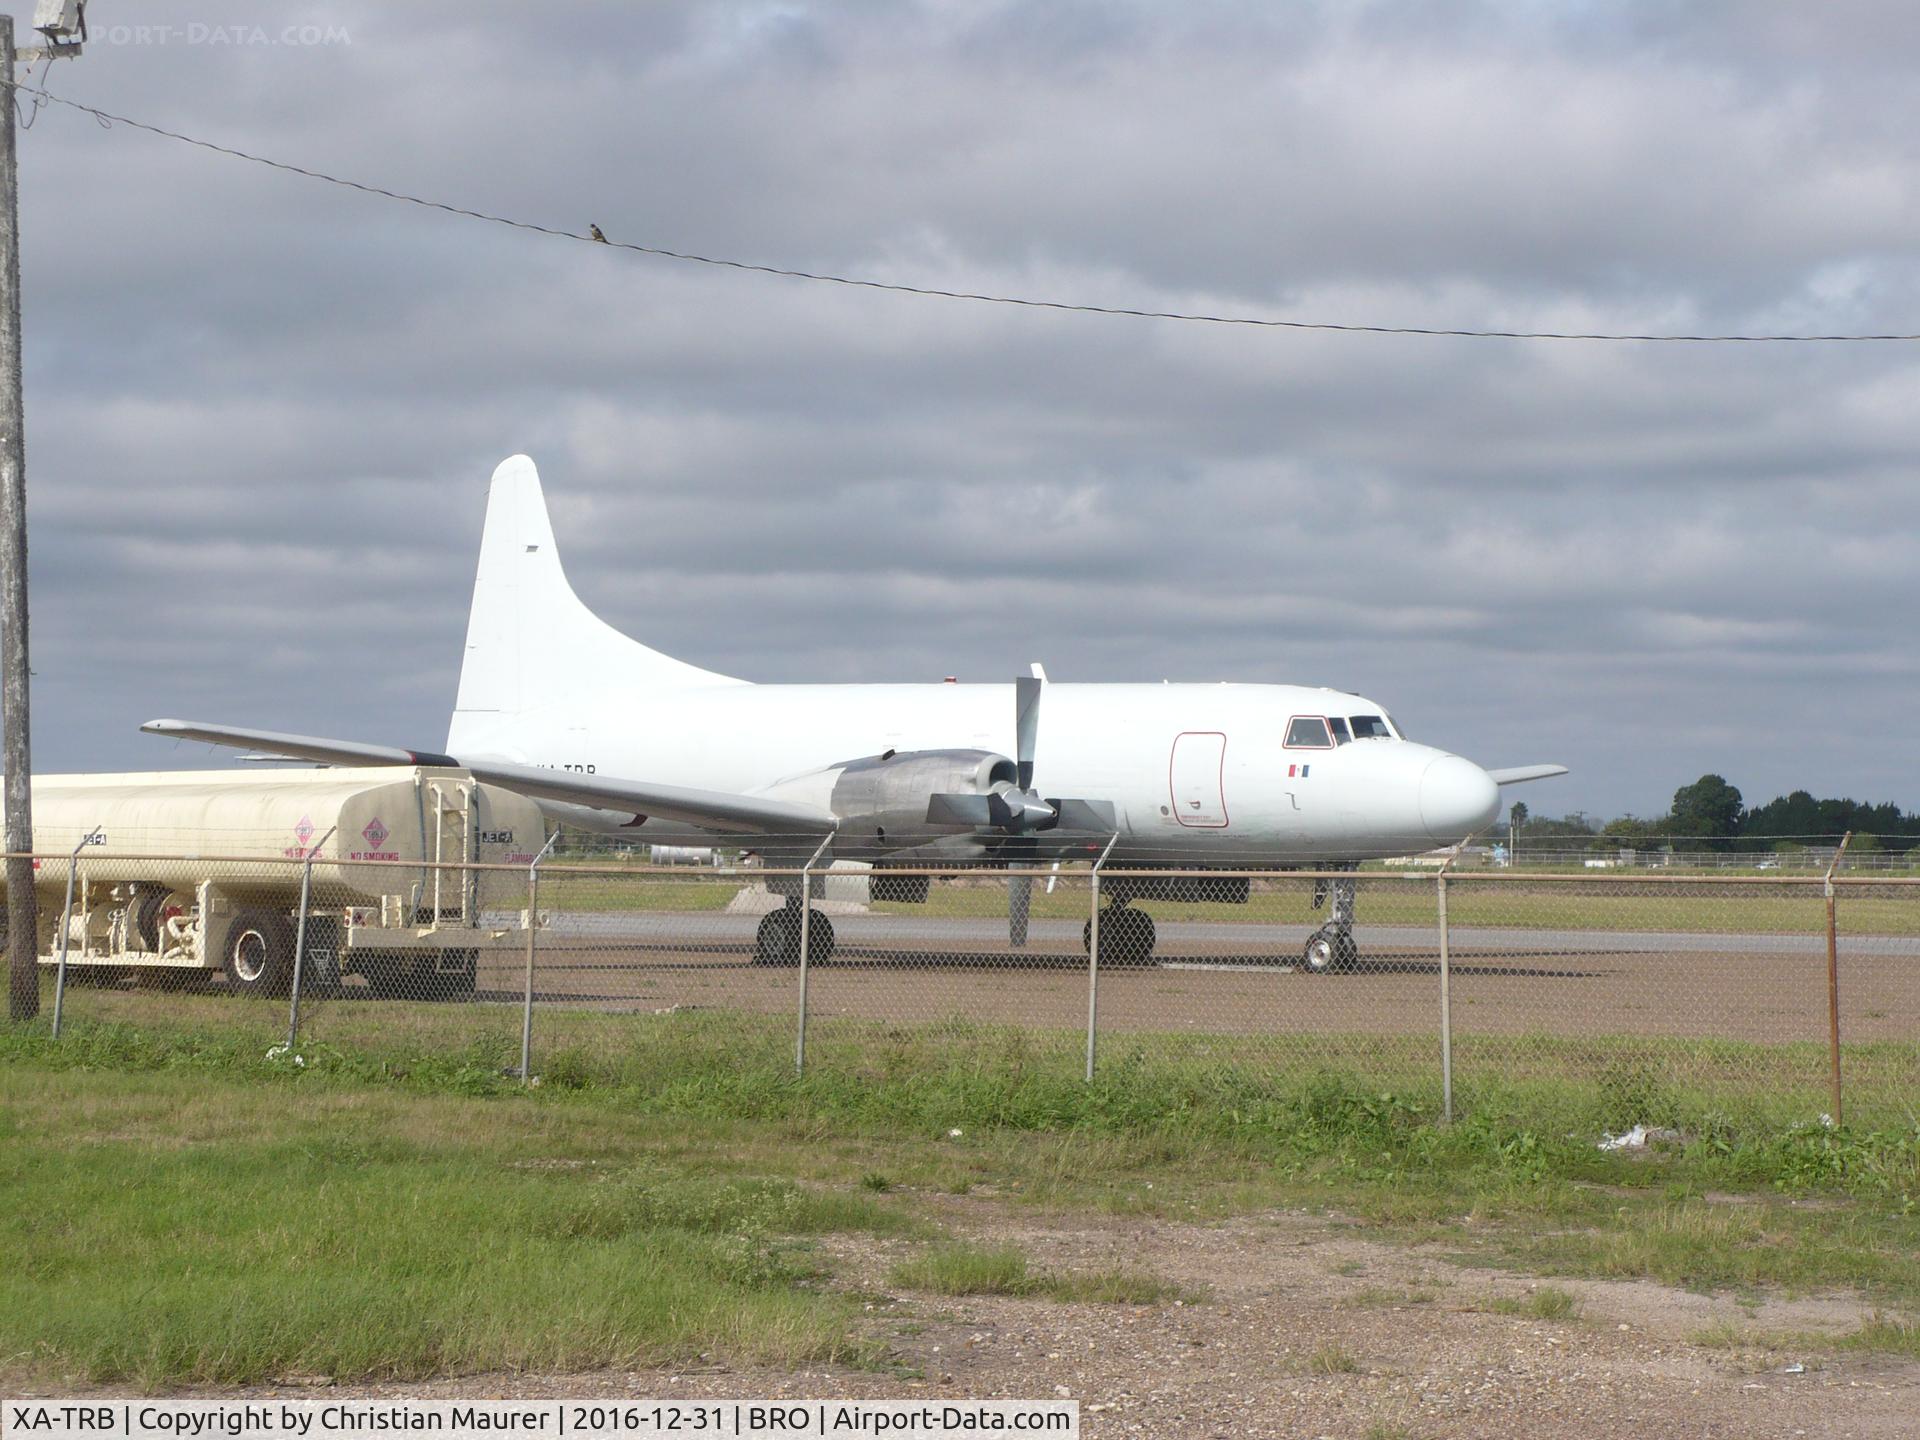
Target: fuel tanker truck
{"x": 192, "y": 873}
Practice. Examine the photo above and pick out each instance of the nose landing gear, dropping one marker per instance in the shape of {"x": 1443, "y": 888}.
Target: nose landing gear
{"x": 1332, "y": 946}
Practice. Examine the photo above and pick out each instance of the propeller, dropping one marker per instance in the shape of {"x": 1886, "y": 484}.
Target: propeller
{"x": 1021, "y": 809}
{"x": 1018, "y": 808}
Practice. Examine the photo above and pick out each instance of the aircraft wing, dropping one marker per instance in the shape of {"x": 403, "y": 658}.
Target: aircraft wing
{"x": 712, "y": 809}
{"x": 1514, "y": 774}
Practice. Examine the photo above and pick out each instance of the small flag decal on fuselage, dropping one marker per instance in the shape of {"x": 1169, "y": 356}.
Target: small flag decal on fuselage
{"x": 1298, "y": 770}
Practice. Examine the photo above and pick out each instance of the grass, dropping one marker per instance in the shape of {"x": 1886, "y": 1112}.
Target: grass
{"x": 561, "y": 889}
{"x": 400, "y": 1206}
{"x": 967, "y": 1270}
{"x": 1548, "y": 1302}
{"x": 1376, "y": 1297}
{"x": 1333, "y": 1358}
{"x": 1885, "y": 1335}
{"x": 1703, "y": 1245}
{"x": 1024, "y": 1076}
{"x": 257, "y": 1234}
{"x": 1612, "y": 903}
{"x": 963, "y": 1269}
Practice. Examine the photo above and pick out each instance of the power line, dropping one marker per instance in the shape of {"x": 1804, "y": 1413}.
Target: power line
{"x": 108, "y": 119}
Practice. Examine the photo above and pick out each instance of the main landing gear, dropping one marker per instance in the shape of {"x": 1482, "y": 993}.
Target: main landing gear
{"x": 778, "y": 940}
{"x": 1332, "y": 946}
{"x": 1126, "y": 935}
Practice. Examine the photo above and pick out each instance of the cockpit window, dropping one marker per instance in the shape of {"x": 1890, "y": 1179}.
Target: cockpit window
{"x": 1396, "y": 727}
{"x": 1370, "y": 727}
{"x": 1341, "y": 735}
{"x": 1309, "y": 732}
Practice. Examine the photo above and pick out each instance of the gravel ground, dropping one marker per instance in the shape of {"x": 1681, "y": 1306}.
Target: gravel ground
{"x": 1286, "y": 1303}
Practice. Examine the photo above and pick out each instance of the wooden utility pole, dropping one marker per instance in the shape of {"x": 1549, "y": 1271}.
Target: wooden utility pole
{"x": 64, "y": 24}
{"x": 23, "y": 922}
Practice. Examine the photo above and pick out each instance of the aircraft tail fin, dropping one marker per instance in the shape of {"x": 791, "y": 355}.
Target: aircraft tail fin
{"x": 531, "y": 643}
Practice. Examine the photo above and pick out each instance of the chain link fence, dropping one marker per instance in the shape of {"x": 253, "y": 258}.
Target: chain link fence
{"x": 1642, "y": 999}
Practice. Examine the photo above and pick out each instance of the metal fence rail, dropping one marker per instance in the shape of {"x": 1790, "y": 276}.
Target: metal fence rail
{"x": 1646, "y": 998}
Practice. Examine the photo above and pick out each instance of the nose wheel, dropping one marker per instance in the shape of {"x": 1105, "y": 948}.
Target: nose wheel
{"x": 1332, "y": 946}
{"x": 1330, "y": 949}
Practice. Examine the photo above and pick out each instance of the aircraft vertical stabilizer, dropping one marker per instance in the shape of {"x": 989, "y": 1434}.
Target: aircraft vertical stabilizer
{"x": 531, "y": 643}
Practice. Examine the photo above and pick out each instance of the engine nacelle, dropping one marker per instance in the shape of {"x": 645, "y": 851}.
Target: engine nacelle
{"x": 884, "y": 797}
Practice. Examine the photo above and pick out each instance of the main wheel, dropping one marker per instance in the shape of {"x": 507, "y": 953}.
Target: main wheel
{"x": 819, "y": 940}
{"x": 1127, "y": 936}
{"x": 1135, "y": 938}
{"x": 777, "y": 941}
{"x": 256, "y": 951}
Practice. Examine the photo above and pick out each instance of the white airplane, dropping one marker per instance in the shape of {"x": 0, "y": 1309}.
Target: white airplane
{"x": 558, "y": 705}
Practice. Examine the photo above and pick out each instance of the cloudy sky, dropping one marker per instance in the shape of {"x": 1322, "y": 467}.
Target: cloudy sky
{"x": 262, "y": 411}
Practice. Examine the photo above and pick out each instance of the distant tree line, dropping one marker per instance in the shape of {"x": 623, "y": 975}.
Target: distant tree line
{"x": 1710, "y": 814}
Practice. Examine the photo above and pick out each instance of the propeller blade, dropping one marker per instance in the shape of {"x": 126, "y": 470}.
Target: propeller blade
{"x": 1026, "y": 724}
{"x": 1097, "y": 816}
{"x": 958, "y": 810}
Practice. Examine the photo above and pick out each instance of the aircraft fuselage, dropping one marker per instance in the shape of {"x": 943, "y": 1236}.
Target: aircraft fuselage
{"x": 1192, "y": 770}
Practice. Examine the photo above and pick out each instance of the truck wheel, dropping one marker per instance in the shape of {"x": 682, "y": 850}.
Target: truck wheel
{"x": 149, "y": 906}
{"x": 257, "y": 953}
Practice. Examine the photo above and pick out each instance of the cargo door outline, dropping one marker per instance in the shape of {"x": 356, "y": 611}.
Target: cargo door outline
{"x": 1196, "y": 779}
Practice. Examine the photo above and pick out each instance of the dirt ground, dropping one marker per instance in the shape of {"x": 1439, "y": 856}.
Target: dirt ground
{"x": 1276, "y": 1296}
{"x": 1762, "y": 996}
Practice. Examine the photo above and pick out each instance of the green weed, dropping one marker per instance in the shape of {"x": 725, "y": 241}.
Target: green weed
{"x": 967, "y": 1270}
{"x": 1886, "y": 1335}
{"x": 961, "y": 1269}
{"x": 1549, "y": 1302}
{"x": 1333, "y": 1358}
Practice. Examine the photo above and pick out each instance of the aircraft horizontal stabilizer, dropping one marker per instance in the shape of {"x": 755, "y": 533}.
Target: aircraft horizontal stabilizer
{"x": 711, "y": 809}
{"x": 1514, "y": 774}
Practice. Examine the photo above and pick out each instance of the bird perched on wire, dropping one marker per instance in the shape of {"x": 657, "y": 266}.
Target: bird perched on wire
{"x": 594, "y": 230}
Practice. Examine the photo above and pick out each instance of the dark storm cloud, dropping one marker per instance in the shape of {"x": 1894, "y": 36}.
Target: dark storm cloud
{"x": 262, "y": 411}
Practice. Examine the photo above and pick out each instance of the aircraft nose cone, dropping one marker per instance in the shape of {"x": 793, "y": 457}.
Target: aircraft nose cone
{"x": 1457, "y": 798}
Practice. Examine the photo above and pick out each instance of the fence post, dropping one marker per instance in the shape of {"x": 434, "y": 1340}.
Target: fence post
{"x": 92, "y": 837}
{"x": 1093, "y": 958}
{"x": 806, "y": 941}
{"x": 1833, "y": 979}
{"x": 1446, "y": 993}
{"x": 533, "y": 926}
{"x": 300, "y": 938}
